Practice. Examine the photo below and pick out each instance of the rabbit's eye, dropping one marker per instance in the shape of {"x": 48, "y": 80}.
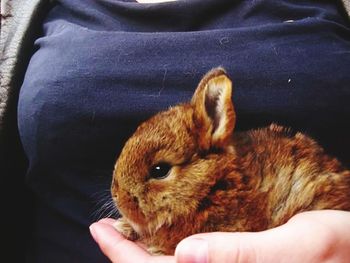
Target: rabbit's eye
{"x": 160, "y": 170}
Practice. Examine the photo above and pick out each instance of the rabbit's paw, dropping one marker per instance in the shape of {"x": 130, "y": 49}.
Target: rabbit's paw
{"x": 155, "y": 251}
{"x": 125, "y": 228}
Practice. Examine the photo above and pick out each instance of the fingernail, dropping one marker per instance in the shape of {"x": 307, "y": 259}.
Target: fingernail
{"x": 192, "y": 250}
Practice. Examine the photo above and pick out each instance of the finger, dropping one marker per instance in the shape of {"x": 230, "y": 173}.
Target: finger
{"x": 302, "y": 239}
{"x": 112, "y": 222}
{"x": 117, "y": 248}
{"x": 113, "y": 244}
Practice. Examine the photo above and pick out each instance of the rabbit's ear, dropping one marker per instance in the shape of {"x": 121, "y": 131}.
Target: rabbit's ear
{"x": 214, "y": 114}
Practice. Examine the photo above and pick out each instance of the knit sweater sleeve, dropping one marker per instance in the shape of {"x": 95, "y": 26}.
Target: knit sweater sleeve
{"x": 346, "y": 4}
{"x": 16, "y": 21}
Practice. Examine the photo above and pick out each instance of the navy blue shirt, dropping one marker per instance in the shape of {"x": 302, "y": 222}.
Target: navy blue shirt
{"x": 101, "y": 67}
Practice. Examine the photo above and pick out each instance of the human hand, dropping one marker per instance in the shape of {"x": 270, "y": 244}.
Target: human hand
{"x": 316, "y": 236}
{"x": 120, "y": 250}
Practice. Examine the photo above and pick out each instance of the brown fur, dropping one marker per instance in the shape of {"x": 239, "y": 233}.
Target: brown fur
{"x": 219, "y": 181}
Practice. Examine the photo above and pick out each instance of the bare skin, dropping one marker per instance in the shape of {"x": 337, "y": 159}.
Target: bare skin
{"x": 316, "y": 236}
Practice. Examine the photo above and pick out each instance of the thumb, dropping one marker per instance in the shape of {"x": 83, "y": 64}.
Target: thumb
{"x": 303, "y": 239}
{"x": 217, "y": 247}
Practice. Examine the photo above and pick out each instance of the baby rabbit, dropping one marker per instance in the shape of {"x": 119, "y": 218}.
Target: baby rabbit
{"x": 184, "y": 171}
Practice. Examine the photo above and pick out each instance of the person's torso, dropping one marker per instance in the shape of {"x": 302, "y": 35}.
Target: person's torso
{"x": 101, "y": 67}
